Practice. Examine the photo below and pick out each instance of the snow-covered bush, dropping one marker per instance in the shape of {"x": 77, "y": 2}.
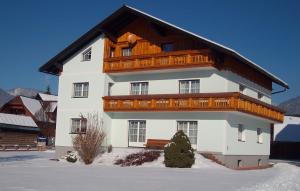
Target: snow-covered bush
{"x": 179, "y": 152}
{"x": 139, "y": 158}
{"x": 88, "y": 144}
{"x": 71, "y": 157}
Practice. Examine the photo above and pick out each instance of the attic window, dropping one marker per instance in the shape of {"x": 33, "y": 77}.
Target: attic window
{"x": 126, "y": 51}
{"x": 112, "y": 52}
{"x": 86, "y": 55}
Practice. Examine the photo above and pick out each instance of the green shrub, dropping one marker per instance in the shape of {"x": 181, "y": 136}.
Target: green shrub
{"x": 179, "y": 152}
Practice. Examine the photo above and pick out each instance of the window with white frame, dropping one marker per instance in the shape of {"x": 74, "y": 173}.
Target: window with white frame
{"x": 78, "y": 125}
{"x": 139, "y": 88}
{"x": 81, "y": 89}
{"x": 87, "y": 55}
{"x": 259, "y": 135}
{"x": 190, "y": 128}
{"x": 126, "y": 51}
{"x": 241, "y": 133}
{"x": 189, "y": 86}
{"x": 137, "y": 131}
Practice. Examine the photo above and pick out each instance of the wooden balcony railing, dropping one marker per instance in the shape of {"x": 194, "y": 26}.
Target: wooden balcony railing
{"x": 232, "y": 101}
{"x": 170, "y": 60}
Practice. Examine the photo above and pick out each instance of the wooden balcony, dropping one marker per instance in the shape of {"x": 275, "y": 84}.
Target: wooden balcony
{"x": 231, "y": 101}
{"x": 170, "y": 60}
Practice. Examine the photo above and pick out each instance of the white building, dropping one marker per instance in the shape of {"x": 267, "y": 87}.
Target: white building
{"x": 288, "y": 131}
{"x": 147, "y": 79}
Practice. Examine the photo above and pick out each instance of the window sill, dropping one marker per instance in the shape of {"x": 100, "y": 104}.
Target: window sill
{"x": 80, "y": 96}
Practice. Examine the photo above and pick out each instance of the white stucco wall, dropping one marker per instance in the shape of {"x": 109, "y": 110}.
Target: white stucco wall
{"x": 250, "y": 146}
{"x": 217, "y": 131}
{"x": 75, "y": 70}
{"x": 251, "y": 88}
{"x": 211, "y": 81}
{"x": 211, "y": 127}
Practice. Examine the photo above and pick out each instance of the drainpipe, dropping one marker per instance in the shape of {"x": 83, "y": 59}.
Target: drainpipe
{"x": 280, "y": 91}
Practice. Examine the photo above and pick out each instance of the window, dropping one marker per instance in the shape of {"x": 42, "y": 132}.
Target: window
{"x": 86, "y": 55}
{"x": 137, "y": 131}
{"x": 189, "y": 86}
{"x": 260, "y": 95}
{"x": 167, "y": 47}
{"x": 242, "y": 88}
{"x": 190, "y": 128}
{"x": 139, "y": 88}
{"x": 241, "y": 133}
{"x": 80, "y": 89}
{"x": 78, "y": 125}
{"x": 126, "y": 51}
{"x": 259, "y": 135}
{"x": 112, "y": 52}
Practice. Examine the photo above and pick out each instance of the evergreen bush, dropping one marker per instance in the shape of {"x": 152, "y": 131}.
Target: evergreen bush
{"x": 179, "y": 152}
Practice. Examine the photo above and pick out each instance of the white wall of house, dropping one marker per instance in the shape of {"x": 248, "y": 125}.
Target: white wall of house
{"x": 251, "y": 88}
{"x": 250, "y": 146}
{"x": 217, "y": 131}
{"x": 75, "y": 70}
{"x": 211, "y": 81}
{"x": 211, "y": 127}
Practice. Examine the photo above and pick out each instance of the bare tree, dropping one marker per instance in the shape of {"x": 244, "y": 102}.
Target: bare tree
{"x": 88, "y": 143}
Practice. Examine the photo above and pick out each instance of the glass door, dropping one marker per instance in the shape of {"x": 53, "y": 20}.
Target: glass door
{"x": 136, "y": 133}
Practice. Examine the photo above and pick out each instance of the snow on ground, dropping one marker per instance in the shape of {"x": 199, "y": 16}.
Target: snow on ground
{"x": 33, "y": 171}
{"x": 108, "y": 159}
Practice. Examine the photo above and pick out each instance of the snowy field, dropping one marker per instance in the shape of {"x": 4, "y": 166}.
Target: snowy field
{"x": 33, "y": 171}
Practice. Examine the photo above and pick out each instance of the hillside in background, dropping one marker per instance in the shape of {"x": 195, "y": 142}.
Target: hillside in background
{"x": 291, "y": 106}
{"x": 27, "y": 92}
{"x": 4, "y": 97}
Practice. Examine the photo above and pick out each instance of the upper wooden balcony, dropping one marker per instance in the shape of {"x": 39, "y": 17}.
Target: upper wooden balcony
{"x": 232, "y": 101}
{"x": 168, "y": 60}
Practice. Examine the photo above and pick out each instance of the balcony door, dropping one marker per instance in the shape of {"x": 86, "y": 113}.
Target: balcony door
{"x": 136, "y": 133}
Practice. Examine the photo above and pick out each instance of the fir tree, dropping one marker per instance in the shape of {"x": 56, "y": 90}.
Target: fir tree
{"x": 179, "y": 152}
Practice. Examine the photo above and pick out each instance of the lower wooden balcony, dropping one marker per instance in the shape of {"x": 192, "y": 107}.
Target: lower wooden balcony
{"x": 232, "y": 101}
{"x": 169, "y": 60}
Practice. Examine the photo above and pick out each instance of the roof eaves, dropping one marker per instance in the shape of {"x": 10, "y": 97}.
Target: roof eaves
{"x": 272, "y": 76}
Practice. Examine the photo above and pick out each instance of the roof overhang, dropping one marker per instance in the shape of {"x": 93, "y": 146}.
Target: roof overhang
{"x": 125, "y": 15}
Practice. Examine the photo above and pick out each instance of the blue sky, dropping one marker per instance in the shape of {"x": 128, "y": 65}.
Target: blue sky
{"x": 33, "y": 31}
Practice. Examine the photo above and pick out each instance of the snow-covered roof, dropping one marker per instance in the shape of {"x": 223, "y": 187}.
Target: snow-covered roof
{"x": 53, "y": 106}
{"x": 31, "y": 104}
{"x": 19, "y": 120}
{"x": 47, "y": 97}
